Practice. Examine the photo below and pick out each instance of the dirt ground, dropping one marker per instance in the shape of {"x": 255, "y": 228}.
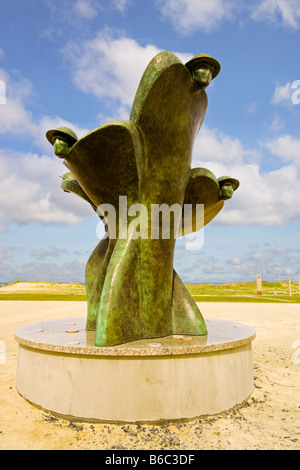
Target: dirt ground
{"x": 269, "y": 419}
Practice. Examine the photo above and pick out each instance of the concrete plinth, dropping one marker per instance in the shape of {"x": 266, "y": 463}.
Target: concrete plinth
{"x": 176, "y": 377}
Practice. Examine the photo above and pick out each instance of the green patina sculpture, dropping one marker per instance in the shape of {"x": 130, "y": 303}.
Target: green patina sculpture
{"x": 133, "y": 292}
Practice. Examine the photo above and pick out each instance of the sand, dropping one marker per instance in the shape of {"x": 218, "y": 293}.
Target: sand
{"x": 269, "y": 419}
{"x": 26, "y": 286}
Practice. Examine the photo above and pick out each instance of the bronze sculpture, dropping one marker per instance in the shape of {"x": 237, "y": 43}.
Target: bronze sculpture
{"x": 132, "y": 289}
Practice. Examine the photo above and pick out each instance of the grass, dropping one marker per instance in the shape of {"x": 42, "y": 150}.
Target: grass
{"x": 245, "y": 292}
{"x": 39, "y": 296}
{"x": 239, "y": 292}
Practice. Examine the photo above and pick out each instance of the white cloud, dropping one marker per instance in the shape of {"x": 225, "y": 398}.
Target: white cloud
{"x": 30, "y": 191}
{"x": 205, "y": 16}
{"x": 262, "y": 198}
{"x": 30, "y": 184}
{"x": 111, "y": 67}
{"x": 85, "y": 9}
{"x": 190, "y": 15}
{"x": 286, "y": 12}
{"x": 69, "y": 12}
{"x": 46, "y": 123}
{"x": 14, "y": 117}
{"x": 283, "y": 94}
{"x": 212, "y": 145}
{"x": 285, "y": 147}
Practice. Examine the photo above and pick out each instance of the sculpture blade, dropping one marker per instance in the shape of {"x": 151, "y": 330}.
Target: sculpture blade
{"x": 104, "y": 162}
{"x": 202, "y": 188}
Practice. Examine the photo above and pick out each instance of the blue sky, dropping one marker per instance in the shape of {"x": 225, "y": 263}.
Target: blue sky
{"x": 78, "y": 63}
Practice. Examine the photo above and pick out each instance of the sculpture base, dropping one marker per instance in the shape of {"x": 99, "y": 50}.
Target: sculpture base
{"x": 170, "y": 378}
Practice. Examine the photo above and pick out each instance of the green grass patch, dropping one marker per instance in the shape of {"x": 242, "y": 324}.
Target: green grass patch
{"x": 38, "y": 296}
{"x": 240, "y": 292}
{"x": 241, "y": 298}
{"x": 245, "y": 292}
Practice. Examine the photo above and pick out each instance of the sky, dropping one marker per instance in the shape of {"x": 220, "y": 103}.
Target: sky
{"x": 78, "y": 63}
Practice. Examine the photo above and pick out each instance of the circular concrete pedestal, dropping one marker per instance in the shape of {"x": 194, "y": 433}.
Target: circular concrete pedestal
{"x": 176, "y": 377}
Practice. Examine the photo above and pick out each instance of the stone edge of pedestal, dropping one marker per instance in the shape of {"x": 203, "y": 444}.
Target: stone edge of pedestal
{"x": 142, "y": 351}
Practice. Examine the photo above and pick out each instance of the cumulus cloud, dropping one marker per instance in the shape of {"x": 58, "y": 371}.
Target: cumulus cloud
{"x": 30, "y": 183}
{"x": 200, "y": 15}
{"x": 111, "y": 66}
{"x": 283, "y": 94}
{"x": 264, "y": 198}
{"x": 14, "y": 117}
{"x": 286, "y": 147}
{"x": 285, "y": 12}
{"x": 44, "y": 123}
{"x": 30, "y": 191}
{"x": 213, "y": 145}
{"x": 190, "y": 15}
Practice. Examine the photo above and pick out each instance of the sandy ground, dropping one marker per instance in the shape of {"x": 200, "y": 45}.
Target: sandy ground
{"x": 21, "y": 286}
{"x": 268, "y": 420}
